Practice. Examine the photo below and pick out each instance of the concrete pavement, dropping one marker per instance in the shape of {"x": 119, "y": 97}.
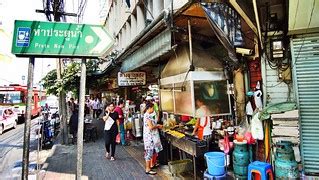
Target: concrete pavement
{"x": 61, "y": 164}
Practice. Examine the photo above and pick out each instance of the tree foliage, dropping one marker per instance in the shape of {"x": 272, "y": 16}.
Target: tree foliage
{"x": 70, "y": 78}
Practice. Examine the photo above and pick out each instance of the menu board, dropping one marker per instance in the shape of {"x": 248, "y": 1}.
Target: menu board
{"x": 131, "y": 78}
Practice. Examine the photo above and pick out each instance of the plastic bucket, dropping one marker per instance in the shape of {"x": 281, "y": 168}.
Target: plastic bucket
{"x": 215, "y": 163}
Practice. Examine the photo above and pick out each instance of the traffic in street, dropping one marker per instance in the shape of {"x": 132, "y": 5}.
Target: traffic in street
{"x": 11, "y": 145}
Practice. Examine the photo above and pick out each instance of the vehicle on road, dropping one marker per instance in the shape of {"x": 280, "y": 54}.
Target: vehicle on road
{"x": 8, "y": 119}
{"x": 15, "y": 95}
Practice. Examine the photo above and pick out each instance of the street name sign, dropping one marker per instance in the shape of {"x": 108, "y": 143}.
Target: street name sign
{"x": 52, "y": 39}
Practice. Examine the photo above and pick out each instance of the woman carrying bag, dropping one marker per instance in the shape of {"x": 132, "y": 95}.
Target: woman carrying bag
{"x": 110, "y": 130}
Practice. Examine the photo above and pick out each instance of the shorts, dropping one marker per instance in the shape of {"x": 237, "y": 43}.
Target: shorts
{"x": 148, "y": 154}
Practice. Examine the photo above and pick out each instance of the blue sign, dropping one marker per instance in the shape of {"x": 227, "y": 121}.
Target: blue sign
{"x": 23, "y": 37}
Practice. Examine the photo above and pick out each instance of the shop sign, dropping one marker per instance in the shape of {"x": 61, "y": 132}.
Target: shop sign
{"x": 131, "y": 78}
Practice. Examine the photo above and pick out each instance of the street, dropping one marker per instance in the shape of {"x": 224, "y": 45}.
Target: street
{"x": 11, "y": 146}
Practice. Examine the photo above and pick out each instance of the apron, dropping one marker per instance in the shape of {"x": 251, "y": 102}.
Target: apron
{"x": 200, "y": 133}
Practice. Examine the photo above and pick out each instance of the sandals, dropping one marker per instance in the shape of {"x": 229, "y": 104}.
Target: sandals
{"x": 151, "y": 172}
{"x": 155, "y": 166}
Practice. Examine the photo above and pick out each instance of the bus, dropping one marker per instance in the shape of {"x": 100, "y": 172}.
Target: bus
{"x": 16, "y": 95}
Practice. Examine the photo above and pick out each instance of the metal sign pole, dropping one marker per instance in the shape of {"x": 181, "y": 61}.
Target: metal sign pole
{"x": 81, "y": 121}
{"x": 27, "y": 124}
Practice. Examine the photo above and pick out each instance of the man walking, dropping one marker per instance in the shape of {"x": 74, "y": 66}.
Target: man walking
{"x": 119, "y": 111}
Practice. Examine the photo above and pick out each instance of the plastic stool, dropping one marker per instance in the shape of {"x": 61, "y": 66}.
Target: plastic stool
{"x": 262, "y": 169}
{"x": 211, "y": 177}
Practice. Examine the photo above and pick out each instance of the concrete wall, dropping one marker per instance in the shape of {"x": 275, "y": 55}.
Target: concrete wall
{"x": 126, "y": 23}
{"x": 275, "y": 90}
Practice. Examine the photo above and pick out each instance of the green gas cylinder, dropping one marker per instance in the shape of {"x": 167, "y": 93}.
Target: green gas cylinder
{"x": 285, "y": 164}
{"x": 240, "y": 158}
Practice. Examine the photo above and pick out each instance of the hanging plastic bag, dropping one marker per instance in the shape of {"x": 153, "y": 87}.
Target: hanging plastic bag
{"x": 249, "y": 109}
{"x": 257, "y": 127}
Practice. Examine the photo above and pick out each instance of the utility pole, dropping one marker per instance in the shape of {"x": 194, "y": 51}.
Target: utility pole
{"x": 27, "y": 124}
{"x": 81, "y": 121}
{"x": 57, "y": 14}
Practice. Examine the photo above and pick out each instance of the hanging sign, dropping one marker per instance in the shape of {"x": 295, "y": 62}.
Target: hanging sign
{"x": 131, "y": 78}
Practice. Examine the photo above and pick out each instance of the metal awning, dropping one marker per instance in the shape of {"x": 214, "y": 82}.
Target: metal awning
{"x": 153, "y": 49}
{"x": 303, "y": 16}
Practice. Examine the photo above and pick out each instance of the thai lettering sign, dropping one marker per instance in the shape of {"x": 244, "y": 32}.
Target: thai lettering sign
{"x": 35, "y": 38}
{"x": 131, "y": 78}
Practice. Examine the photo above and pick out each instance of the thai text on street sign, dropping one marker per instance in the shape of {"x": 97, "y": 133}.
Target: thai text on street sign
{"x": 131, "y": 78}
{"x": 35, "y": 38}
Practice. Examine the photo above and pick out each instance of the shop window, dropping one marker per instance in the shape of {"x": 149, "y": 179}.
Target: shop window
{"x": 183, "y": 98}
{"x": 167, "y": 102}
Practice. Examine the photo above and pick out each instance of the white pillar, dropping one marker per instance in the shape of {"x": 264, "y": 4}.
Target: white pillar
{"x": 140, "y": 19}
{"x": 120, "y": 40}
{"x": 158, "y": 7}
{"x": 128, "y": 33}
{"x": 133, "y": 26}
{"x": 149, "y": 11}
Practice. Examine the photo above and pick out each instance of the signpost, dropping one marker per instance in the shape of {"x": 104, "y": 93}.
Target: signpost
{"x": 53, "y": 39}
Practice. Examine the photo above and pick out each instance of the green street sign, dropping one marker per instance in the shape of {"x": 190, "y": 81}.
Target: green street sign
{"x": 48, "y": 39}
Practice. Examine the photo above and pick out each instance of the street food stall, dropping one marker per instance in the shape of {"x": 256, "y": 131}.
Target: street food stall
{"x": 179, "y": 90}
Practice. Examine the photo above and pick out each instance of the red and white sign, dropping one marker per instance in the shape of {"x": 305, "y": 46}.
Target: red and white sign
{"x": 131, "y": 78}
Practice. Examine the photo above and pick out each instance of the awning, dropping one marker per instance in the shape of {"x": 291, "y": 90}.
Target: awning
{"x": 155, "y": 48}
{"x": 303, "y": 16}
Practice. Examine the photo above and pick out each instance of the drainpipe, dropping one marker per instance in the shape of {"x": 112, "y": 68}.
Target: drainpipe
{"x": 257, "y": 22}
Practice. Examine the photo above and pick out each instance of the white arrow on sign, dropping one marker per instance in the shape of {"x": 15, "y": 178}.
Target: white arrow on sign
{"x": 105, "y": 40}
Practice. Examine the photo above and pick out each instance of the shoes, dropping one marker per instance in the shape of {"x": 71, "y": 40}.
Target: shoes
{"x": 150, "y": 172}
{"x": 107, "y": 155}
{"x": 112, "y": 159}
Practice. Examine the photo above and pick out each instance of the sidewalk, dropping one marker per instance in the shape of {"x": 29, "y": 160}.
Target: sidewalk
{"x": 129, "y": 163}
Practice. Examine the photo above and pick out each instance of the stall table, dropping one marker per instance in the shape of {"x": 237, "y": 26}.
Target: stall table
{"x": 189, "y": 145}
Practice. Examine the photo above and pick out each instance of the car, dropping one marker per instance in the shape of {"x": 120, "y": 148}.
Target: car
{"x": 8, "y": 119}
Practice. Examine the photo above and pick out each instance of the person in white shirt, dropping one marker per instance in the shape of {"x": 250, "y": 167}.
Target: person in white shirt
{"x": 202, "y": 125}
{"x": 95, "y": 107}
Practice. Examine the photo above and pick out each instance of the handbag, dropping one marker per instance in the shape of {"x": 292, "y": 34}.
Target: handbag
{"x": 108, "y": 123}
{"x": 118, "y": 138}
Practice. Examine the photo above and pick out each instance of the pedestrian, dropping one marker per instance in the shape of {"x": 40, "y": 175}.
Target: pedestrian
{"x": 74, "y": 123}
{"x": 110, "y": 130}
{"x": 96, "y": 107}
{"x": 119, "y": 110}
{"x": 87, "y": 106}
{"x": 151, "y": 138}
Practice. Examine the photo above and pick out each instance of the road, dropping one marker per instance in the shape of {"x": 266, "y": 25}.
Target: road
{"x": 11, "y": 146}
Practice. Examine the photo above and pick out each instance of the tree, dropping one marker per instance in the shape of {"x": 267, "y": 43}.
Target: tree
{"x": 70, "y": 78}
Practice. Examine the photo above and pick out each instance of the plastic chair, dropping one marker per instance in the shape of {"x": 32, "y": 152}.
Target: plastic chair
{"x": 261, "y": 169}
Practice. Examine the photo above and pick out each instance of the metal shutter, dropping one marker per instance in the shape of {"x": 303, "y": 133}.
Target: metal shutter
{"x": 305, "y": 54}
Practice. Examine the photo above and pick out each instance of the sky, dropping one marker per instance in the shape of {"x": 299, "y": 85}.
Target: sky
{"x": 13, "y": 69}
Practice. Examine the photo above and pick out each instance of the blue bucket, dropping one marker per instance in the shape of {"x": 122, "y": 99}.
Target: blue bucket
{"x": 215, "y": 163}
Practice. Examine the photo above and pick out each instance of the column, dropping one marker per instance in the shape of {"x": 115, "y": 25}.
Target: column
{"x": 140, "y": 19}
{"x": 158, "y": 7}
{"x": 133, "y": 26}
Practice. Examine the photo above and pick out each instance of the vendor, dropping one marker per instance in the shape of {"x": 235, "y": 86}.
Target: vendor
{"x": 202, "y": 125}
